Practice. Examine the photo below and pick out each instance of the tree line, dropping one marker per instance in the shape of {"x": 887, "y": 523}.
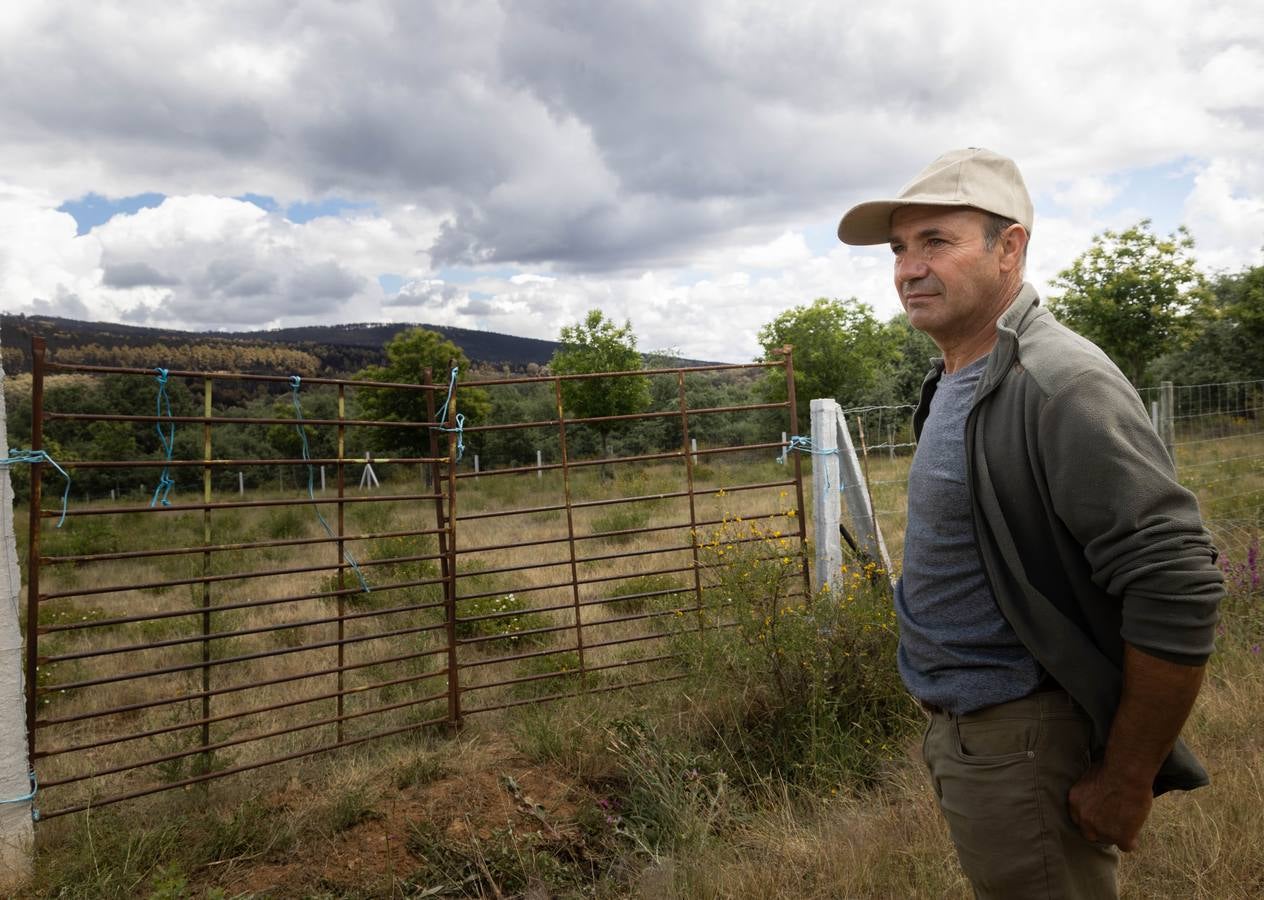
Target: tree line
{"x": 1137, "y": 294}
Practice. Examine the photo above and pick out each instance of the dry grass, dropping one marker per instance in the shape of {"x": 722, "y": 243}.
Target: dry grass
{"x": 885, "y": 841}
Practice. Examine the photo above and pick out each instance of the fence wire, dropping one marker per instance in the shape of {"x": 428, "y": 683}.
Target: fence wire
{"x": 1215, "y": 433}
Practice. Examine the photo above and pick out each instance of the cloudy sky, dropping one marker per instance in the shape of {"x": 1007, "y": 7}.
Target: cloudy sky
{"x": 509, "y": 165}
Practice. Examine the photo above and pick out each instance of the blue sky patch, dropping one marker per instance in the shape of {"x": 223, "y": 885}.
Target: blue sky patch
{"x": 305, "y": 211}
{"x": 390, "y": 282}
{"x": 263, "y": 201}
{"x": 92, "y": 210}
{"x": 463, "y": 275}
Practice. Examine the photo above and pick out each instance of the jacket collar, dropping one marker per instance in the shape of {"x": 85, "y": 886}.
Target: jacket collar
{"x": 1024, "y": 309}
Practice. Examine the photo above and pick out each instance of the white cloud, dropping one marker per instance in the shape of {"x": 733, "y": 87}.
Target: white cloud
{"x": 673, "y": 164}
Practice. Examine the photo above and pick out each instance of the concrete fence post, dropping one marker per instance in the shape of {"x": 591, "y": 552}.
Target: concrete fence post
{"x": 825, "y": 496}
{"x": 17, "y": 833}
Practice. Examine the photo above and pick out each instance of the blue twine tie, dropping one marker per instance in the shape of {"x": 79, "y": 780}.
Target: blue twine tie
{"x": 295, "y": 381}
{"x": 165, "y": 484}
{"x": 442, "y": 416}
{"x": 28, "y": 798}
{"x": 31, "y": 457}
{"x": 804, "y": 445}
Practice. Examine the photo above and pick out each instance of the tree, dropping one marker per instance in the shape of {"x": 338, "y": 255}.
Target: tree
{"x": 840, "y": 350}
{"x": 594, "y": 345}
{"x": 408, "y": 354}
{"x": 1227, "y": 334}
{"x": 1131, "y": 294}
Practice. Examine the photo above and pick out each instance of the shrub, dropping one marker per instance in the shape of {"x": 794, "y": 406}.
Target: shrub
{"x": 802, "y": 687}
{"x": 511, "y": 618}
{"x": 624, "y": 601}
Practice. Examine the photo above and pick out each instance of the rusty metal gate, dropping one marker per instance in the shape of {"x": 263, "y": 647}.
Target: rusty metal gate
{"x": 204, "y": 629}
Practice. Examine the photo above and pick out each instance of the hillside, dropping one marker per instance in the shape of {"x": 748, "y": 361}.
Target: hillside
{"x": 324, "y": 349}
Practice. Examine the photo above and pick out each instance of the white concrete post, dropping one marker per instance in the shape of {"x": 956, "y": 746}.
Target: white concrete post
{"x": 17, "y": 832}
{"x": 322, "y": 479}
{"x": 476, "y": 464}
{"x": 241, "y": 483}
{"x": 825, "y": 495}
{"x": 539, "y": 464}
{"x": 693, "y": 448}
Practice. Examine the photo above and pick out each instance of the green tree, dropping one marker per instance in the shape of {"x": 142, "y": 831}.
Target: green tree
{"x": 1131, "y": 294}
{"x": 840, "y": 350}
{"x": 1226, "y": 335}
{"x": 595, "y": 345}
{"x": 408, "y": 354}
{"x": 903, "y": 381}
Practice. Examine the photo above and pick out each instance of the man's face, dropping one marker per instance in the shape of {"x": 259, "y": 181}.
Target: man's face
{"x": 949, "y": 282}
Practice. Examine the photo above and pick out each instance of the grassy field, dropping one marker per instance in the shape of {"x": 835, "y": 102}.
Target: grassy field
{"x": 783, "y": 766}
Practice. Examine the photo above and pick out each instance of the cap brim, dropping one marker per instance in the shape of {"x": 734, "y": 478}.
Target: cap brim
{"x": 870, "y": 222}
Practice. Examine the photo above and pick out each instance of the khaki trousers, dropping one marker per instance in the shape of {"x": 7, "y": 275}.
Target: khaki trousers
{"x": 1002, "y": 776}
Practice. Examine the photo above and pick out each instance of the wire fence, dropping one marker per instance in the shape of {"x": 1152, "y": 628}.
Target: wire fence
{"x": 1215, "y": 433}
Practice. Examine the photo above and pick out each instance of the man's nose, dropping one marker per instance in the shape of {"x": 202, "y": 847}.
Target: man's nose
{"x": 910, "y": 267}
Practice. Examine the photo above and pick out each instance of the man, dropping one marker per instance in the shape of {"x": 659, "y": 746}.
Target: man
{"x": 1059, "y": 594}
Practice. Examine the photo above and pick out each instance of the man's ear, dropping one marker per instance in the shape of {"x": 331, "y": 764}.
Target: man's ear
{"x": 1013, "y": 244}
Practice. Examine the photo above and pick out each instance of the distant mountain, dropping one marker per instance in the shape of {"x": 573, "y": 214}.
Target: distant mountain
{"x": 327, "y": 349}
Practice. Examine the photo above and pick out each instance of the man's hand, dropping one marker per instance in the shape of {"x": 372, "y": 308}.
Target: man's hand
{"x": 1111, "y": 801}
{"x": 1110, "y": 810}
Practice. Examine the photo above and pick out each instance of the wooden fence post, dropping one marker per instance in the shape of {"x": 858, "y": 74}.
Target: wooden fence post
{"x": 856, "y": 493}
{"x": 1167, "y": 419}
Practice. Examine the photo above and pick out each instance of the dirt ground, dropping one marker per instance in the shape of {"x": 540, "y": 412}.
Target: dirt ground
{"x": 459, "y": 809}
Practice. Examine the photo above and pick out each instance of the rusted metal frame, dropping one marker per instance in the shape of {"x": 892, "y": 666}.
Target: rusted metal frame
{"x": 227, "y": 420}
{"x": 206, "y": 575}
{"x": 226, "y": 504}
{"x": 517, "y": 657}
{"x": 249, "y": 545}
{"x": 636, "y": 617}
{"x": 539, "y": 379}
{"x": 246, "y": 657}
{"x": 693, "y": 511}
{"x": 511, "y": 635}
{"x": 214, "y": 579}
{"x": 245, "y": 604}
{"x": 622, "y": 417}
{"x": 340, "y": 477}
{"x": 561, "y": 584}
{"x": 502, "y": 569}
{"x": 233, "y": 770}
{"x": 193, "y": 463}
{"x": 244, "y": 632}
{"x": 489, "y": 617}
{"x": 178, "y": 582}
{"x": 33, "y": 545}
{"x": 642, "y": 595}
{"x": 648, "y": 529}
{"x": 231, "y": 689}
{"x": 450, "y": 597}
{"x": 228, "y": 376}
{"x": 445, "y": 560}
{"x": 238, "y": 741}
{"x": 788, "y": 353}
{"x": 224, "y": 717}
{"x": 566, "y": 696}
{"x": 620, "y": 664}
{"x": 612, "y": 460}
{"x": 679, "y": 548}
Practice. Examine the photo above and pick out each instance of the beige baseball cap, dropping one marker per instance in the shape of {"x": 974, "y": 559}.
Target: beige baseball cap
{"x": 970, "y": 177}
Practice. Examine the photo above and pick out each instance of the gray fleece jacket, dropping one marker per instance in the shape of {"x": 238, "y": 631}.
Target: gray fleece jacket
{"x": 1085, "y": 535}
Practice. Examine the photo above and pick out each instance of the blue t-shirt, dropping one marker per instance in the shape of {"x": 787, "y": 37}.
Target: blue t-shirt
{"x": 956, "y": 649}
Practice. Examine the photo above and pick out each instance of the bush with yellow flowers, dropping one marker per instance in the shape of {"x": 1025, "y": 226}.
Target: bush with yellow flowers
{"x": 796, "y": 685}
